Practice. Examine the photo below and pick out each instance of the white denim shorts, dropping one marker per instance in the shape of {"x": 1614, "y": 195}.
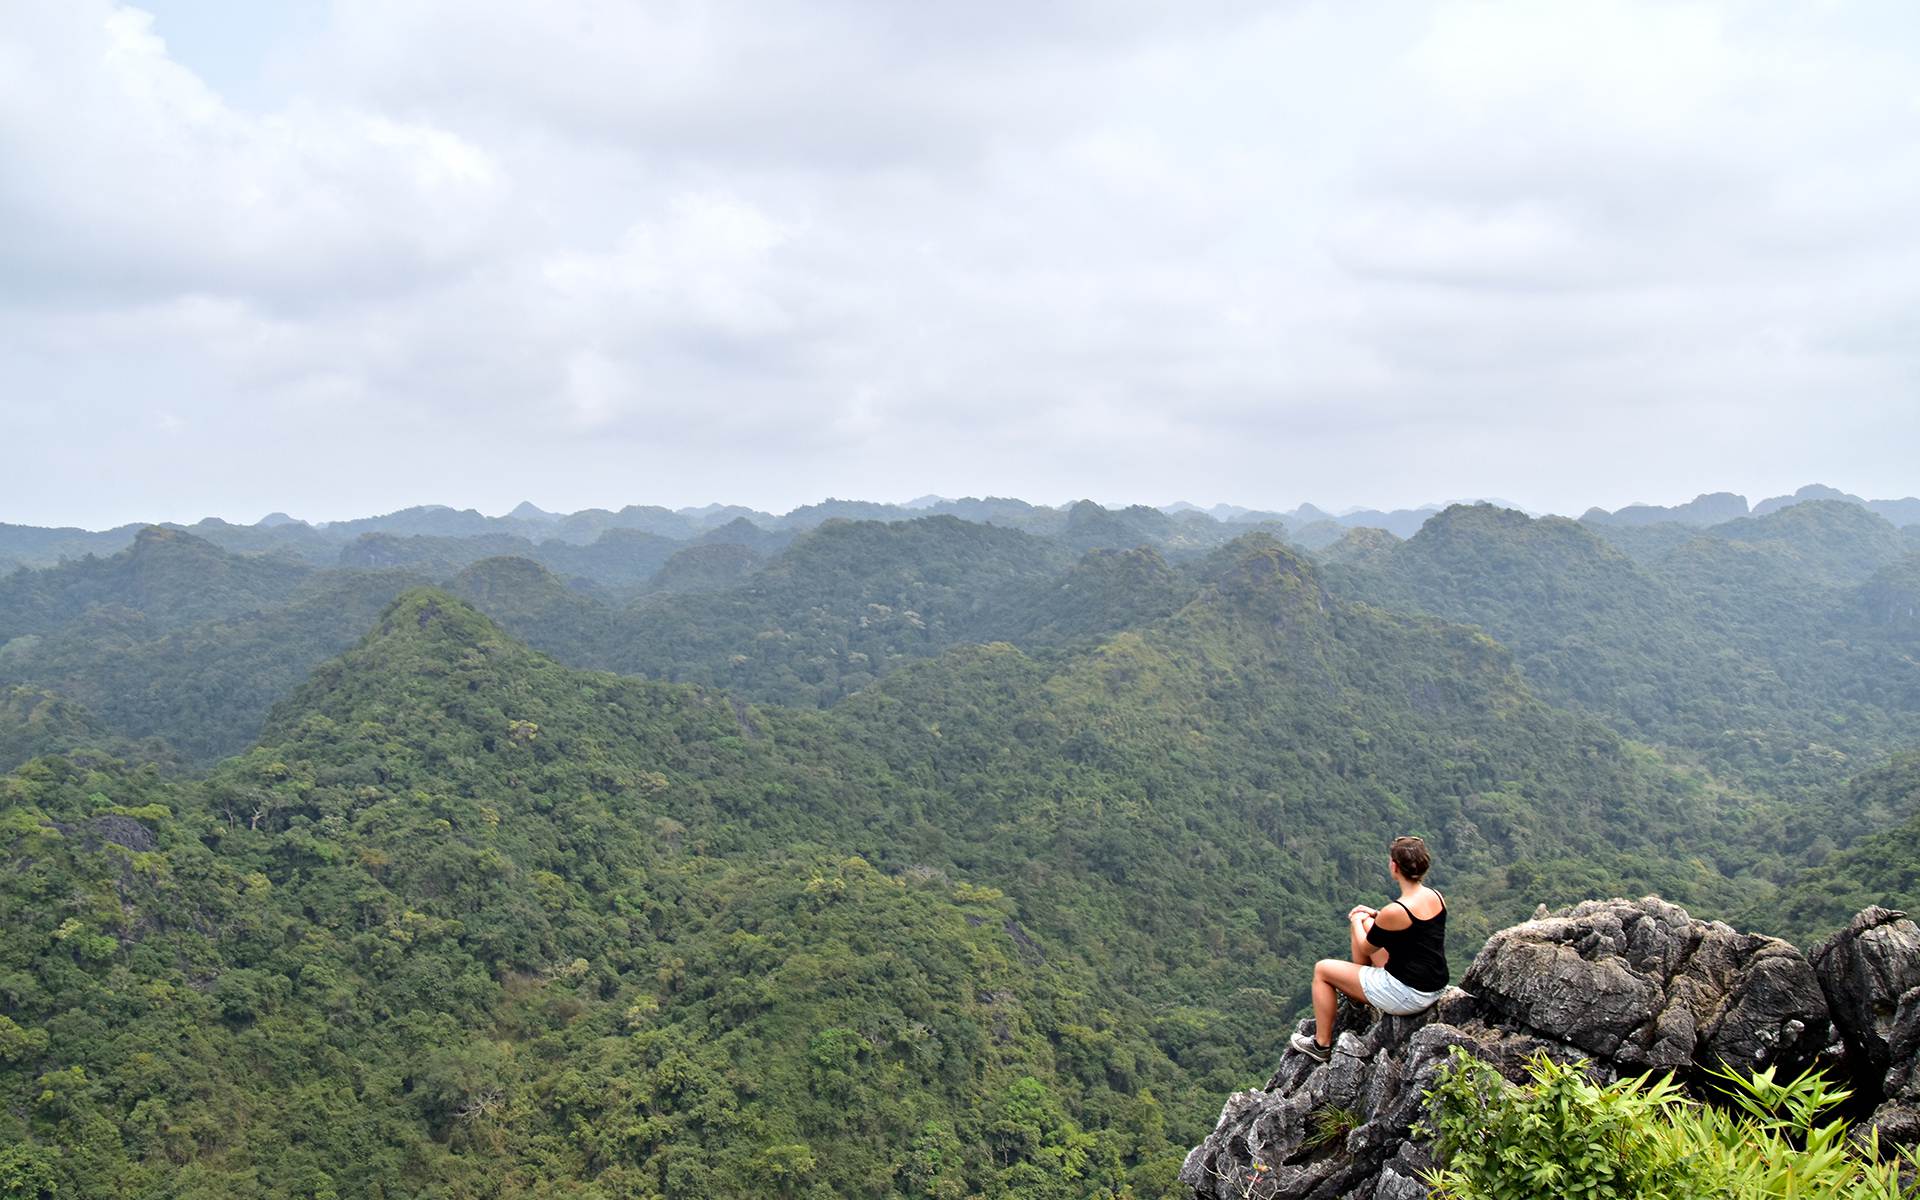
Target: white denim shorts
{"x": 1391, "y": 996}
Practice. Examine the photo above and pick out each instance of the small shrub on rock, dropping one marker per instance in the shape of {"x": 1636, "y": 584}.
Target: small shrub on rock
{"x": 1562, "y": 1134}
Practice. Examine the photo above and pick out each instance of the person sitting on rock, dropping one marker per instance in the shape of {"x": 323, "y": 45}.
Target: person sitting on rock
{"x": 1399, "y": 958}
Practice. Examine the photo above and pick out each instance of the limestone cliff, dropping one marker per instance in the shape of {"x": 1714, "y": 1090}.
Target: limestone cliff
{"x": 1629, "y": 986}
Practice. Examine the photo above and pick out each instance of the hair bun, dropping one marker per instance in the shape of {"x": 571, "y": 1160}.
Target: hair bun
{"x": 1410, "y": 855}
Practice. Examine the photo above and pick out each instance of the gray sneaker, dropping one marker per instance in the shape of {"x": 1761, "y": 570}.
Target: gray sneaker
{"x": 1312, "y": 1049}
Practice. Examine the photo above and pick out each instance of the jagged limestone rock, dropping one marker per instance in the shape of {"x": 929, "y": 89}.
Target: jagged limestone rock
{"x": 1871, "y": 973}
{"x": 1341, "y": 1129}
{"x": 1646, "y": 987}
{"x": 1628, "y": 985}
{"x": 1866, "y": 968}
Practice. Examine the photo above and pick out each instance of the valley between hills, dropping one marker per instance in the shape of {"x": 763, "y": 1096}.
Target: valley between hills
{"x": 974, "y": 848}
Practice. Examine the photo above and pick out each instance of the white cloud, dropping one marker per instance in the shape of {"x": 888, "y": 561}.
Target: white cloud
{"x": 128, "y": 176}
{"x": 1374, "y": 254}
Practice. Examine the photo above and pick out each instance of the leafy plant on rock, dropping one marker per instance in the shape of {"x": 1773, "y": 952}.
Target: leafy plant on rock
{"x": 1564, "y": 1134}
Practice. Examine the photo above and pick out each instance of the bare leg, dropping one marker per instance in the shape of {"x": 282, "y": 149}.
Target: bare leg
{"x": 1331, "y": 979}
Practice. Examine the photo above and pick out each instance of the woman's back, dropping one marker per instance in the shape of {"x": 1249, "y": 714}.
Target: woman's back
{"x": 1417, "y": 954}
{"x": 1424, "y": 905}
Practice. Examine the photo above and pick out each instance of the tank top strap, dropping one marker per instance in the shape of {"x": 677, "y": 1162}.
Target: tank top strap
{"x": 1415, "y": 917}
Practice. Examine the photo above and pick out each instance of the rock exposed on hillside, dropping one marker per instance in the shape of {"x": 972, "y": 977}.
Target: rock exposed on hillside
{"x": 1866, "y": 968}
{"x": 1627, "y": 985}
{"x": 1871, "y": 973}
{"x": 1646, "y": 987}
{"x": 1898, "y": 1116}
{"x": 1341, "y": 1130}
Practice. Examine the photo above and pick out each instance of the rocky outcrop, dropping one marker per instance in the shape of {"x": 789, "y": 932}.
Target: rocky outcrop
{"x": 1643, "y": 986}
{"x": 1629, "y": 986}
{"x": 1341, "y": 1129}
{"x": 1871, "y": 973}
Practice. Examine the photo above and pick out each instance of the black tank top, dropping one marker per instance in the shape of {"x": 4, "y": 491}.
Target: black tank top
{"x": 1416, "y": 955}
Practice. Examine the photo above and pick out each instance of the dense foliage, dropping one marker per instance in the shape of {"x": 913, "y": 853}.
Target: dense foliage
{"x": 472, "y": 923}
{"x": 920, "y": 857}
{"x": 1761, "y": 646}
{"x": 711, "y": 567}
{"x": 1844, "y": 875}
{"x": 617, "y": 559}
{"x": 35, "y": 722}
{"x": 203, "y": 688}
{"x": 171, "y": 578}
{"x": 836, "y": 610}
{"x": 1565, "y": 1135}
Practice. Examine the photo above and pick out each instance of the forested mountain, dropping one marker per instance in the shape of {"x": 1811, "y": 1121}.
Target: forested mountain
{"x": 1748, "y": 643}
{"x": 835, "y": 610}
{"x": 33, "y": 545}
{"x": 1822, "y": 541}
{"x": 618, "y": 558}
{"x": 177, "y": 639}
{"x": 1742, "y": 644}
{"x": 34, "y": 722}
{"x": 1882, "y": 867}
{"x": 171, "y": 578}
{"x": 1586, "y": 623}
{"x": 1716, "y": 508}
{"x": 706, "y": 567}
{"x": 923, "y": 856}
{"x": 1709, "y": 509}
{"x": 1083, "y": 524}
{"x": 203, "y": 688}
{"x": 470, "y": 917}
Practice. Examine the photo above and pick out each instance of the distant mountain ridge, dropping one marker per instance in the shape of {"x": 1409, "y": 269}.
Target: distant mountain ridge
{"x": 1679, "y": 632}
{"x": 326, "y": 543}
{"x": 1716, "y": 508}
{"x": 1772, "y": 645}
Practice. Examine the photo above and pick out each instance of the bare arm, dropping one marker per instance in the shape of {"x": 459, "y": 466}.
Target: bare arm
{"x": 1394, "y": 916}
{"x": 1359, "y": 949}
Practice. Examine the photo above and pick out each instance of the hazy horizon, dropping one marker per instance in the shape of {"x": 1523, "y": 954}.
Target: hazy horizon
{"x": 504, "y": 510}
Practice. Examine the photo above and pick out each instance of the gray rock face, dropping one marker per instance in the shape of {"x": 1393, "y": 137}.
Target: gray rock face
{"x": 1866, "y": 968}
{"x": 1341, "y": 1129}
{"x": 1646, "y": 987}
{"x": 1630, "y": 986}
{"x": 1871, "y": 973}
{"x": 1898, "y": 1117}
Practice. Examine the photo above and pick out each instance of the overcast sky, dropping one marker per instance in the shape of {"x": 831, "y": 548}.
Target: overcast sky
{"x": 337, "y": 258}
